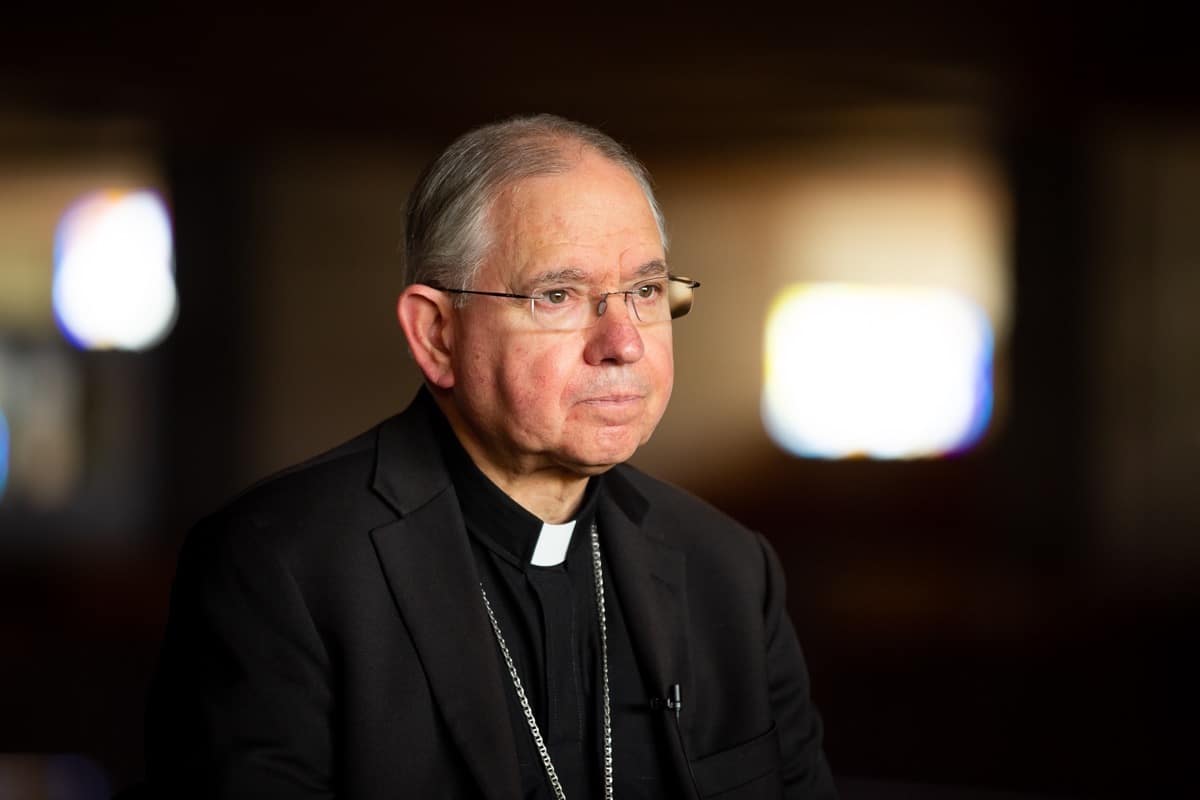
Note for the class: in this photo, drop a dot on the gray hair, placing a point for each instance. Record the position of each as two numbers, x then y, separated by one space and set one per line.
447 235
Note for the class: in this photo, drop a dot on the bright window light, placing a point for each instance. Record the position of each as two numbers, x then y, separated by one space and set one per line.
114 283
881 372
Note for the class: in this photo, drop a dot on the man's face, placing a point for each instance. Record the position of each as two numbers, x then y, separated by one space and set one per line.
582 400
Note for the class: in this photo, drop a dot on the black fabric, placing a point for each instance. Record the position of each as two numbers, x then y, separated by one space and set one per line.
326 639
549 619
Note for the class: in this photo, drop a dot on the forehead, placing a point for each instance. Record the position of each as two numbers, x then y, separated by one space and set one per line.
591 217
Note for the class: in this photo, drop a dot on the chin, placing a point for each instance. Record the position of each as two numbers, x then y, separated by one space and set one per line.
589 470
606 455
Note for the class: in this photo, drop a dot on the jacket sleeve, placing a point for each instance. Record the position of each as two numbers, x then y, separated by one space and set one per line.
805 771
241 705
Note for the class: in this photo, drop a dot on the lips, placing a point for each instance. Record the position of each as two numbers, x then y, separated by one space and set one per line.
616 408
614 392
614 399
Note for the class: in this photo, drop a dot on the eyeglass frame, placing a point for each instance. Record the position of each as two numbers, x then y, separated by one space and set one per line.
679 306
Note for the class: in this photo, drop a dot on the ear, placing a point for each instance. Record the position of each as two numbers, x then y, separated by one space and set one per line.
426 317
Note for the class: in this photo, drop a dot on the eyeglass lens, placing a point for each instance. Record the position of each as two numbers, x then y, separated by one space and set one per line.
645 305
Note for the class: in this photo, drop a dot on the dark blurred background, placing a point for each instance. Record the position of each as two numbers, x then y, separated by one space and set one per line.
1011 619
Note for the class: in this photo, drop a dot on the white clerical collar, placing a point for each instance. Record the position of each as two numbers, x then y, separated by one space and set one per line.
552 543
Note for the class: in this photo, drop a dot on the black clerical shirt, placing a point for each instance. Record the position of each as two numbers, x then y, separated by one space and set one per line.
549 621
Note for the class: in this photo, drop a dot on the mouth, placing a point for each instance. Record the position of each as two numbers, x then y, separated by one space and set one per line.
615 408
615 399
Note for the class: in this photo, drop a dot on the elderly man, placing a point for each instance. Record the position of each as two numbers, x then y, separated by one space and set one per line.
477 598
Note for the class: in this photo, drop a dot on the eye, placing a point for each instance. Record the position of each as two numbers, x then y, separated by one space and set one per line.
555 296
648 291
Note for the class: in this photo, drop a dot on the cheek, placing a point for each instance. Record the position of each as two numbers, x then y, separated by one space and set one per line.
536 381
661 357
484 361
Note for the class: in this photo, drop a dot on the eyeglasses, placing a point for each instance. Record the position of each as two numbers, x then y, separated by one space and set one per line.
570 308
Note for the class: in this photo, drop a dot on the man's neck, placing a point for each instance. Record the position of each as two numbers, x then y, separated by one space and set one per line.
549 498
551 493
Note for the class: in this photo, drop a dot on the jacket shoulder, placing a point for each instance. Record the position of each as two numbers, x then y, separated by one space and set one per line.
322 485
688 522
306 509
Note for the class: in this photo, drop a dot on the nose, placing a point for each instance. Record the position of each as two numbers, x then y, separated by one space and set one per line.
615 338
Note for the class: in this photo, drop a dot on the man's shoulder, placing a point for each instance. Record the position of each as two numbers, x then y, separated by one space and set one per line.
321 485
314 505
667 497
686 521
343 483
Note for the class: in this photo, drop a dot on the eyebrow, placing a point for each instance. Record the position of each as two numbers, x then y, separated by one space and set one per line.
651 269
564 275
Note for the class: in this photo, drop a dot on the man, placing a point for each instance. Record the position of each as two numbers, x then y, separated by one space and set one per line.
476 598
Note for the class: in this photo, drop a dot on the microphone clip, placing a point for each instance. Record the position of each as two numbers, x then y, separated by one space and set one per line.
672 702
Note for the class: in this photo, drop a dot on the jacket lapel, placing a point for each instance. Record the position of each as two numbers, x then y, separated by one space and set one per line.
650 577
426 559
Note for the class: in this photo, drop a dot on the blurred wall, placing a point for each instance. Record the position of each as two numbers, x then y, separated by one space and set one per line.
328 357
1146 355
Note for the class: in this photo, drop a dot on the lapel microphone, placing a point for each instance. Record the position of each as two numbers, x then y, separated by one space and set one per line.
672 702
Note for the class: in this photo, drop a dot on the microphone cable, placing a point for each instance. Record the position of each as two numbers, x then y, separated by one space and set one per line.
674 702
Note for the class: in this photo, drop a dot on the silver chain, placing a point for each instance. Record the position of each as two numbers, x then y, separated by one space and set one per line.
598 571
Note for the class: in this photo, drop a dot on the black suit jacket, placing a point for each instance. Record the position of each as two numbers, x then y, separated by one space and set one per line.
327 639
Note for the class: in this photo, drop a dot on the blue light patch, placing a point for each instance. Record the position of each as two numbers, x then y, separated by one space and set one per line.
4 458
